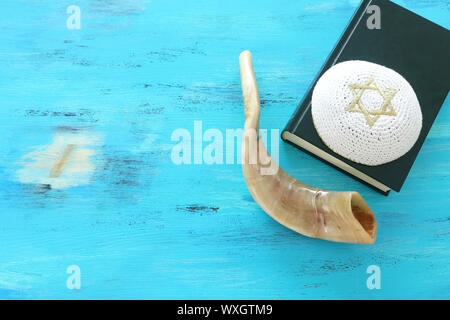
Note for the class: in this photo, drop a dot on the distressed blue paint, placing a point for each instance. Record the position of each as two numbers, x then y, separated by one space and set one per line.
146 228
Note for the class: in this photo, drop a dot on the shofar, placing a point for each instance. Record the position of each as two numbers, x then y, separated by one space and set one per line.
329 215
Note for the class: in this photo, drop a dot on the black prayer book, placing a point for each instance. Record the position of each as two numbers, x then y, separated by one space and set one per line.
413 46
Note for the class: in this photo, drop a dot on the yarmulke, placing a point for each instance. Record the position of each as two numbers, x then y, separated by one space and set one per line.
366 112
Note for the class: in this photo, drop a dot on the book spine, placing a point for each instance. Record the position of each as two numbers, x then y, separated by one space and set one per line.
331 60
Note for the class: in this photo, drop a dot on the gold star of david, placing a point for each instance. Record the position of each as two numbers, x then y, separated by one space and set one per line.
371 116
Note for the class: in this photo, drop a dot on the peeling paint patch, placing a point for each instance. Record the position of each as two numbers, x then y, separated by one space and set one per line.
194 208
118 7
328 6
64 163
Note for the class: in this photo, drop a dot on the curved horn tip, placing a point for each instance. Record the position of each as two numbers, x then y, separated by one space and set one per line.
244 54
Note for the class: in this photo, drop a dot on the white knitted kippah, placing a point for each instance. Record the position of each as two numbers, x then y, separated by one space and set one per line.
366 112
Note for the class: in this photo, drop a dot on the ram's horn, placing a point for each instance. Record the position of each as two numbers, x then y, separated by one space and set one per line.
329 215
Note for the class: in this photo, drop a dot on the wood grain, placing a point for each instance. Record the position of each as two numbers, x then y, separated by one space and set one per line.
144 227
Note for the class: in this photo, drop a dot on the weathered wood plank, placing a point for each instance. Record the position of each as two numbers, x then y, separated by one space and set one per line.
144 227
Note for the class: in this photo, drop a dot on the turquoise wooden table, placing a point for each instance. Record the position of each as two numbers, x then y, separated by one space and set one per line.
115 217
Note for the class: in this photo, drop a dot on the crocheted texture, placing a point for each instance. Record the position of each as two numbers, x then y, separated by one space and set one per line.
366 112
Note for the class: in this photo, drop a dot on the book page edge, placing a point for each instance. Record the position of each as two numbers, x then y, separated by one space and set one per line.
333 160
